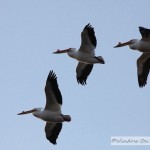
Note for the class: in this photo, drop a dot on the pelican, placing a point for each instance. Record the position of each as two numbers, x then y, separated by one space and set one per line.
52 111
85 55
143 62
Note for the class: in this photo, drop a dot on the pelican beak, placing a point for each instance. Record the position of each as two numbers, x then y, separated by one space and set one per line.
123 44
61 51
27 112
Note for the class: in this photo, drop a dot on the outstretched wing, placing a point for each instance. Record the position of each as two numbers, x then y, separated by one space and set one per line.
143 68
52 131
88 40
83 70
53 94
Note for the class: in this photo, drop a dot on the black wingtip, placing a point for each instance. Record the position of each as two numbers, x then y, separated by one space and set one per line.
52 75
53 141
52 78
142 85
88 26
84 73
91 33
142 82
81 81
55 133
144 32
142 78
140 27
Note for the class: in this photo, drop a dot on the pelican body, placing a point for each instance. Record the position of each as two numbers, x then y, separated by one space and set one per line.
85 55
143 62
51 114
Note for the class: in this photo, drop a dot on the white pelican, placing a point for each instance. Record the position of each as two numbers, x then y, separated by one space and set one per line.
52 112
85 55
143 62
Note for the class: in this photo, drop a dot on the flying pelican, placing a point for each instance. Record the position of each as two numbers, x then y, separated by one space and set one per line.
85 55
52 111
143 62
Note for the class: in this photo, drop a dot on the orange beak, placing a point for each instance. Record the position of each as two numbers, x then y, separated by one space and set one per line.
27 112
61 51
123 44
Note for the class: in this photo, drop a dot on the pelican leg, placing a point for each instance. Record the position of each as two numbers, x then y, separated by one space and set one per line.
66 117
100 59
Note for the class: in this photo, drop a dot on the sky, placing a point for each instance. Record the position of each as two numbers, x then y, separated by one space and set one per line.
111 104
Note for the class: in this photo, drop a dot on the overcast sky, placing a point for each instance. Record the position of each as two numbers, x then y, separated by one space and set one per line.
111 104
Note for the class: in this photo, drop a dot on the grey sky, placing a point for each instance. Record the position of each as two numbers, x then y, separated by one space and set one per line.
111 104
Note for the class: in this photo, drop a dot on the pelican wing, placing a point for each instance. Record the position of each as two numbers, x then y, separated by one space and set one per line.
53 94
88 40
143 68
145 33
52 131
83 70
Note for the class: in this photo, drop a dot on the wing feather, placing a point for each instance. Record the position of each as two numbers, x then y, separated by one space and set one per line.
88 39
145 33
143 68
53 94
52 131
83 70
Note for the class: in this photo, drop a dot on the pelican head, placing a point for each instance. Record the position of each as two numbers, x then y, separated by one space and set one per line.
30 111
64 51
130 43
